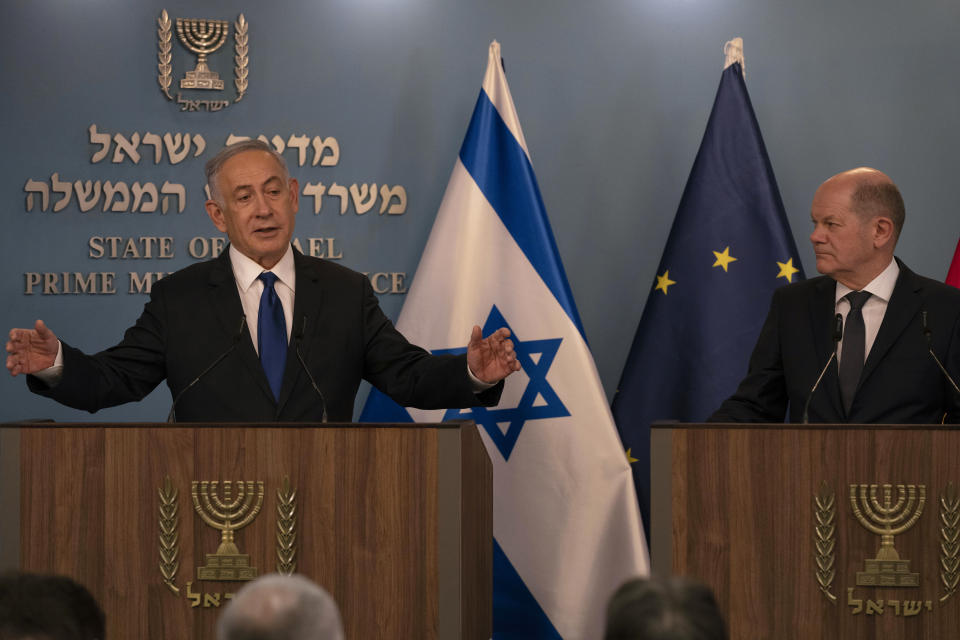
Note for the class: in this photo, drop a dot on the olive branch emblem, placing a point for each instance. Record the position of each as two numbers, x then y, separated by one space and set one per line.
949 541
825 530
241 59
163 53
286 528
169 535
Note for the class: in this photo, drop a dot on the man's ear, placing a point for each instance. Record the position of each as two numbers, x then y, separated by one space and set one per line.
882 231
216 215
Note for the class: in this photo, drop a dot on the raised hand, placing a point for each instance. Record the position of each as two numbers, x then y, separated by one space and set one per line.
491 359
31 350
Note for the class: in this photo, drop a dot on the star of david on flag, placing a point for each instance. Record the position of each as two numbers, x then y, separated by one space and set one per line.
538 400
566 526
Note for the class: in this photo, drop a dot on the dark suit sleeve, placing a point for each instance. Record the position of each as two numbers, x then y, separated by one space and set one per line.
410 375
952 365
762 395
123 373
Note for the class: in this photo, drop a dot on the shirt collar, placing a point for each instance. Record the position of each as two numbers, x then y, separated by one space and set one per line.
246 271
881 286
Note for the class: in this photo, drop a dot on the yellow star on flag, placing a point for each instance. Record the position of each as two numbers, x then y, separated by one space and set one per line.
664 281
724 258
787 270
630 458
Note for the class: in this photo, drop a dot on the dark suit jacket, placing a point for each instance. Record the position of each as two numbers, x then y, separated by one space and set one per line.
900 384
194 315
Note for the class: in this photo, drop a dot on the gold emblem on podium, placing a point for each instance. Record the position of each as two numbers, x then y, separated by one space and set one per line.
228 513
226 507
887 510
887 518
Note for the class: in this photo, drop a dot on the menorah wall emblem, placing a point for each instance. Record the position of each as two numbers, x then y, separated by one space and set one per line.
202 37
229 513
887 519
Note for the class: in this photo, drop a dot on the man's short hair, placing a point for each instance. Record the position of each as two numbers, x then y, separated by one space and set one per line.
214 164
275 607
47 607
871 199
655 609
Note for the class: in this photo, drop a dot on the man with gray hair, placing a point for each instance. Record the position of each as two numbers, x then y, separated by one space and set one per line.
886 326
276 607
262 333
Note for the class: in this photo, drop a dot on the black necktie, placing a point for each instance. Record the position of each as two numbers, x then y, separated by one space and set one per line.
854 347
272 334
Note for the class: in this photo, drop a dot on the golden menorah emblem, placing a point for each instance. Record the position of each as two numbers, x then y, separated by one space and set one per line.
202 37
228 513
887 518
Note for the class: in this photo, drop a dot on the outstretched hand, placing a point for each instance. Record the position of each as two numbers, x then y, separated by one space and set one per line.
31 350
491 359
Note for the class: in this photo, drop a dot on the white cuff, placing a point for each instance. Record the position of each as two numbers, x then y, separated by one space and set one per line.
52 374
479 385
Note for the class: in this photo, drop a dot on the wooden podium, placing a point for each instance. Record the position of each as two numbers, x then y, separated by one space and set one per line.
395 521
764 515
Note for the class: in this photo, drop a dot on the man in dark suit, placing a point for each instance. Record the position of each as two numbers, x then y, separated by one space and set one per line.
261 333
892 318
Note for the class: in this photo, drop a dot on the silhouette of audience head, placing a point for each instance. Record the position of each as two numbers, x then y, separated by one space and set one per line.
664 609
47 607
275 607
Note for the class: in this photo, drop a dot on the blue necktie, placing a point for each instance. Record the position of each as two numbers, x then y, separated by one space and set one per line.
272 334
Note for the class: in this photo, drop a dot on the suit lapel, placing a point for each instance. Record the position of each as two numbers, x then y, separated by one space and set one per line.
822 311
225 302
306 308
904 304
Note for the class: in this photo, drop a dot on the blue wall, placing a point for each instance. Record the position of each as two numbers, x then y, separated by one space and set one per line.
613 97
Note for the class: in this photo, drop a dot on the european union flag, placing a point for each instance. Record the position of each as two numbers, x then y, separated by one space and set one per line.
730 246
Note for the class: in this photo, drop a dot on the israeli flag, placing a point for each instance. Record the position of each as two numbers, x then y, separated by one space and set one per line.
567 531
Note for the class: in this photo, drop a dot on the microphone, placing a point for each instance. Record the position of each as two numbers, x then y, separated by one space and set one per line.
297 340
837 336
928 334
172 416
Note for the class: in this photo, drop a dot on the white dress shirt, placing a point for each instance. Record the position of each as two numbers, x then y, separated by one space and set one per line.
880 288
247 272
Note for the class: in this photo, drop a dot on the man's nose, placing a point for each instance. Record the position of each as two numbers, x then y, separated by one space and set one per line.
261 206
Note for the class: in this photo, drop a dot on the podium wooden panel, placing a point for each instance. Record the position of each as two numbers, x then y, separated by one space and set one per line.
733 505
394 520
